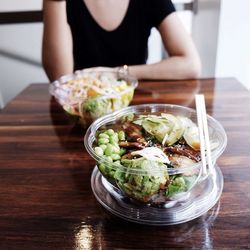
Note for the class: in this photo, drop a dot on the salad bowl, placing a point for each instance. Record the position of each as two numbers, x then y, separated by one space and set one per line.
150 154
89 95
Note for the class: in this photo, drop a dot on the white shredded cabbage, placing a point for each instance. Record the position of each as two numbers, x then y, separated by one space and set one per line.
153 154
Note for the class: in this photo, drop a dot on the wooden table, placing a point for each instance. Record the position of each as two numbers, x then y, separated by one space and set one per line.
46 201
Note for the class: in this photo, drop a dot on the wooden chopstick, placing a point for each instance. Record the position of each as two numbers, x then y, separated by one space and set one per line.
203 133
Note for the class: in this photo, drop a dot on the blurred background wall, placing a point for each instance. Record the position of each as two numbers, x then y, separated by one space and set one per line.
20 51
220 30
233 51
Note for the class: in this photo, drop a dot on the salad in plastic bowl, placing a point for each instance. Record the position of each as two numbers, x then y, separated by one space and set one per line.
90 95
151 153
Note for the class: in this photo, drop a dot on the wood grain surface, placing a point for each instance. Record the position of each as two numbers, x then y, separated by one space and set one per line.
46 201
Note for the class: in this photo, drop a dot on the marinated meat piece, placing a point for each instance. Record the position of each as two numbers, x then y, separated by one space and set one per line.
134 132
132 144
185 151
130 156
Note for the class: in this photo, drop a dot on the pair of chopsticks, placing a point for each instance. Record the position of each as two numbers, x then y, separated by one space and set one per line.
205 148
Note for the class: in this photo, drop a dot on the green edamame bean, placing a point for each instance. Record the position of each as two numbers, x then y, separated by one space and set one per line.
115 157
114 138
110 132
179 181
103 146
103 141
117 163
102 168
111 173
109 150
121 135
116 149
99 151
109 158
103 135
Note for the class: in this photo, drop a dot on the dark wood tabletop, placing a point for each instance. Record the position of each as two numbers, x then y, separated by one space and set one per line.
46 200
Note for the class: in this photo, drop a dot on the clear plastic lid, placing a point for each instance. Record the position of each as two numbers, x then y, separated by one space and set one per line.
195 203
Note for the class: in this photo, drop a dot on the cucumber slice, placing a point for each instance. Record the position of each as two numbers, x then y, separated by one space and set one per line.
176 132
191 134
157 127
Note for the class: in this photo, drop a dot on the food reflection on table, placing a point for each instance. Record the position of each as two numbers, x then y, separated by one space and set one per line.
156 92
194 234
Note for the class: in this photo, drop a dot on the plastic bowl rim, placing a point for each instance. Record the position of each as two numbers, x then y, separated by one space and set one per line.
119 113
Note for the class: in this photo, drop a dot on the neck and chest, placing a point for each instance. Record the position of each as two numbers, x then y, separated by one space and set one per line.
108 32
108 14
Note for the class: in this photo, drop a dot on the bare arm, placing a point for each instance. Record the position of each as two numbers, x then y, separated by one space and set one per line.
57 54
183 61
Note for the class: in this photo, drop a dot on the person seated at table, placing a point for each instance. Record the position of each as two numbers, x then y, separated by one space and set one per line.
81 34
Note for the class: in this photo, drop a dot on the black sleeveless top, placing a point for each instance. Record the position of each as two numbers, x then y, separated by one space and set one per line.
127 44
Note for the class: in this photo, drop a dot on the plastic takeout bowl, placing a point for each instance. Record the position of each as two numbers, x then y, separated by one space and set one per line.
90 98
144 184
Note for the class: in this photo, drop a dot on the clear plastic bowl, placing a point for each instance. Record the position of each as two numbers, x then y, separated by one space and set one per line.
94 93
147 184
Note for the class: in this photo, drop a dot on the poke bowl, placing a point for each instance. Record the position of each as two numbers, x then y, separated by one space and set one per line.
151 153
92 94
